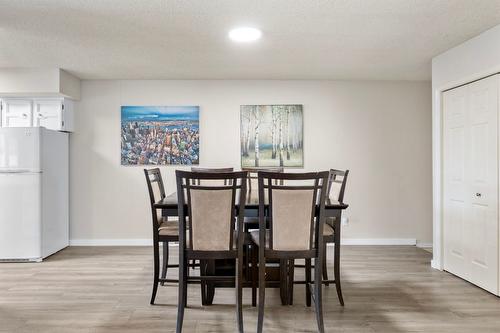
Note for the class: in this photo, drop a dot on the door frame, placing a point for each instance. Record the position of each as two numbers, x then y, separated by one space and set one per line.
437 160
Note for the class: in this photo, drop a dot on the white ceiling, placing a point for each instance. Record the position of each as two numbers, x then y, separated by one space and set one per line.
302 39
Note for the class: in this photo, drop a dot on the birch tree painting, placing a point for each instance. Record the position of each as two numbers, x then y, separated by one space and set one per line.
271 136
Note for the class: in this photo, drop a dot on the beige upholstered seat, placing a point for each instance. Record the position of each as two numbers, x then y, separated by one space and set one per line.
254 234
327 230
169 228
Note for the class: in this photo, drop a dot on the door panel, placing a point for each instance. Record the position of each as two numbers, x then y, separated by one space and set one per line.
483 228
20 149
17 113
20 226
470 182
454 187
48 114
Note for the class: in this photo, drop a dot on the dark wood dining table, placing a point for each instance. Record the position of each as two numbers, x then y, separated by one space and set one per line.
169 207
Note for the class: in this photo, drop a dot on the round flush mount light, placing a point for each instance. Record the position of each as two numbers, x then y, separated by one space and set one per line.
245 34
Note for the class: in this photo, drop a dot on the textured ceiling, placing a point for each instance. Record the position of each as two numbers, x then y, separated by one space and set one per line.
302 39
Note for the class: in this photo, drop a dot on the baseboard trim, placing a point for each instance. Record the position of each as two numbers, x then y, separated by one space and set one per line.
424 245
379 241
148 242
111 242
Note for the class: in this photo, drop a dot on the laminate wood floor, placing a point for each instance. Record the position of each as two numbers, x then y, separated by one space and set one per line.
107 289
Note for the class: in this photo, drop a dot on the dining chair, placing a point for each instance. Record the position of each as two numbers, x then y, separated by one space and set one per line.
331 233
164 231
251 220
252 216
253 174
211 228
207 291
212 170
296 206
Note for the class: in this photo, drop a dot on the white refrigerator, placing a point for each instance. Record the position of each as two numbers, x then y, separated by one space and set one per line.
34 191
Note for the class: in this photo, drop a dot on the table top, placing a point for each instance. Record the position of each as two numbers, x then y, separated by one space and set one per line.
252 202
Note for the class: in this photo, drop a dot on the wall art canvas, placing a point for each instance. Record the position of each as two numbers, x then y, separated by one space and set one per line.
271 136
160 135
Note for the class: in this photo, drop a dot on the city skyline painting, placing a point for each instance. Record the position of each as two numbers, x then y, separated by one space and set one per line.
271 136
160 135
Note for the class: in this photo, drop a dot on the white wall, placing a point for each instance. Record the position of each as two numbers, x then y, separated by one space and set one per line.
472 60
381 131
38 82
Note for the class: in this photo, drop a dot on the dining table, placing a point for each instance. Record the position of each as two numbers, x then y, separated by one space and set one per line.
333 209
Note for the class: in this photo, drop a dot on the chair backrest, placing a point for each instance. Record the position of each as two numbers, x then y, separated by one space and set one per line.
336 184
296 204
253 174
211 208
156 193
212 170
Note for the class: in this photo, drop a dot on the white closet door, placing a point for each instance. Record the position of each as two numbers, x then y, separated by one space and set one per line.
470 188
455 198
483 229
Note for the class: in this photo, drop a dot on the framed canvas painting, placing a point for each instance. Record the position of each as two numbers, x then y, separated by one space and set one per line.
160 135
271 136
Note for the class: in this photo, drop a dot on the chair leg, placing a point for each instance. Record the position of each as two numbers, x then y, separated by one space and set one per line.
308 281
336 270
210 285
203 284
182 294
186 276
291 278
284 281
262 292
255 274
318 297
164 262
325 271
156 268
239 292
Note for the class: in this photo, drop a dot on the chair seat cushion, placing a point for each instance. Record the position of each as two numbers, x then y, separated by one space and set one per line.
169 228
328 230
254 235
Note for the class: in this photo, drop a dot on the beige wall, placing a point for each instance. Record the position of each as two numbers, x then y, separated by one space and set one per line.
381 131
38 82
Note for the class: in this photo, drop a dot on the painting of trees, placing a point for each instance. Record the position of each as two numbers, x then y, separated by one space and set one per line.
271 135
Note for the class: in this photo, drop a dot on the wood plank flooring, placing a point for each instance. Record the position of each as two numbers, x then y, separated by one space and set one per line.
107 289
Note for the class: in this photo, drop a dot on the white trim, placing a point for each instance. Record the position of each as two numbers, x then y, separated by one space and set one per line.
424 245
148 242
378 241
110 242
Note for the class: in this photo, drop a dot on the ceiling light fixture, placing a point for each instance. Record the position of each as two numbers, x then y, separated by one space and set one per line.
245 34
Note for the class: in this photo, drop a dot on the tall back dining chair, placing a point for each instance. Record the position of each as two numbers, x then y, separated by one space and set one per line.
252 216
164 231
253 175
251 220
212 170
336 188
211 228
296 205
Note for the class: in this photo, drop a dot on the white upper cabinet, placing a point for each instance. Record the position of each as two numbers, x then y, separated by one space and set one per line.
51 113
17 113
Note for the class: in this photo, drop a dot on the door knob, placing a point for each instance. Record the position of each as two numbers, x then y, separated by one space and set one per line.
478 194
